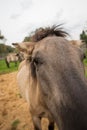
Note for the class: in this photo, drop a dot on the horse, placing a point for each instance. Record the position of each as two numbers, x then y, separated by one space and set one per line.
52 80
13 57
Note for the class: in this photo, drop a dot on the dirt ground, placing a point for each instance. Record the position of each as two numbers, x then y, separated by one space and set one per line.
14 111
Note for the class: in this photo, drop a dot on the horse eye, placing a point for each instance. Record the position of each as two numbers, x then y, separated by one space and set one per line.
37 61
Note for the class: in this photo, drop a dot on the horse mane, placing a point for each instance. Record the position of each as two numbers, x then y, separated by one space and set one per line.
41 33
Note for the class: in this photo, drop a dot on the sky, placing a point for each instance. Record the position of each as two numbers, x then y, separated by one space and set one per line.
18 18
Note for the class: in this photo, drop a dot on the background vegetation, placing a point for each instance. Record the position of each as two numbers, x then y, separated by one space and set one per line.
4 69
4 49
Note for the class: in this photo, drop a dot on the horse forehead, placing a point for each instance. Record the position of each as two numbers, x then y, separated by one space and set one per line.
45 48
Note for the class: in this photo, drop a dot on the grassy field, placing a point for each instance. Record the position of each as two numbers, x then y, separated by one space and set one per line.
4 69
85 63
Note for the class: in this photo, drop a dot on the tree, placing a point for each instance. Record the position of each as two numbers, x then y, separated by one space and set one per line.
83 36
27 39
5 49
2 38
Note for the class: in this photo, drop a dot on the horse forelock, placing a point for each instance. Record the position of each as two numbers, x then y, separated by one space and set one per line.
48 31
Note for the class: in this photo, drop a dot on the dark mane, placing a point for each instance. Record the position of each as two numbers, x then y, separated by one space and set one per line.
48 31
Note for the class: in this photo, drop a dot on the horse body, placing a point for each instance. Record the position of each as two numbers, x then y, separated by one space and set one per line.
54 83
13 57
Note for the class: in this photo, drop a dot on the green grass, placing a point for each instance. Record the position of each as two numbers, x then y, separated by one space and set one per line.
85 63
15 124
4 69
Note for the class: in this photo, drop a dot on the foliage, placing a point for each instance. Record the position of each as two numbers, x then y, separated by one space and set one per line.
83 36
5 49
27 39
9 48
15 124
1 37
2 48
85 64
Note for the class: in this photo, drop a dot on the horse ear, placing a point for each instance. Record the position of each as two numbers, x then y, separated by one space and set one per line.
15 44
19 47
30 48
24 47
